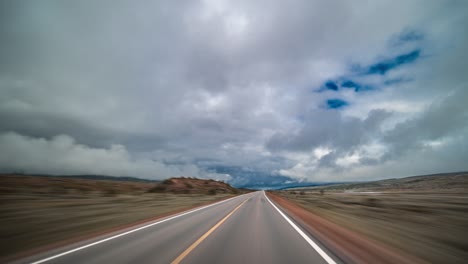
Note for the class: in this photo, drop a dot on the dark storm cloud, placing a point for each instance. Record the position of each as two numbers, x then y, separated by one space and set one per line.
251 178
441 120
47 125
328 128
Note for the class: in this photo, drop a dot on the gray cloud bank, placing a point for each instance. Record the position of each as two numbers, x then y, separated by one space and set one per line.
234 89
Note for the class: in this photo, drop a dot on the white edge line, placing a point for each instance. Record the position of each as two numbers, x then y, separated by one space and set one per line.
129 232
311 243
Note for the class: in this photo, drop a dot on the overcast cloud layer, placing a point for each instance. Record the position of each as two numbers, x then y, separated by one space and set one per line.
253 92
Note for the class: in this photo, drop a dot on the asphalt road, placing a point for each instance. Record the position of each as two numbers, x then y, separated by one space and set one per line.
244 229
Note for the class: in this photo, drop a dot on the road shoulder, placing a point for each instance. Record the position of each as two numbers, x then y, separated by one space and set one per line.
348 246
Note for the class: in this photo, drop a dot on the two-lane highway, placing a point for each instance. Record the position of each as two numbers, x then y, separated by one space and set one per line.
245 229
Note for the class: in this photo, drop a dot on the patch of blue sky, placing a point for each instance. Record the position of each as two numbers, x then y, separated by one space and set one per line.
347 84
364 88
350 84
384 66
336 103
357 86
328 86
331 85
381 67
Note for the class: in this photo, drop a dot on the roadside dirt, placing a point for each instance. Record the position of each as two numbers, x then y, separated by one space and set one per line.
429 225
41 213
349 246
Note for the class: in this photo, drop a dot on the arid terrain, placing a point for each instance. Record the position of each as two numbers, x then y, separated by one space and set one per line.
383 221
444 182
37 211
423 216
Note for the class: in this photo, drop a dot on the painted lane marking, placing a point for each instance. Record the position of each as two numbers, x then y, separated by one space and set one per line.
322 253
130 231
196 243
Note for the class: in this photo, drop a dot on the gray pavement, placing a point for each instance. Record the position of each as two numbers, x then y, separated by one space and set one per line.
254 233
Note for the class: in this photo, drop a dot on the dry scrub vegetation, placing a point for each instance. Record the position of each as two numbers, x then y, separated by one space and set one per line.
36 211
424 222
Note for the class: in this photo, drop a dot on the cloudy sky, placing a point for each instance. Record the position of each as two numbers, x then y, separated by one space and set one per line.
252 92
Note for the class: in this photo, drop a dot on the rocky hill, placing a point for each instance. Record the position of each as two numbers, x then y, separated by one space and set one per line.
193 185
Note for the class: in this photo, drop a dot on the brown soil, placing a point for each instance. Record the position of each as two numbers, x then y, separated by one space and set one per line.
349 246
429 225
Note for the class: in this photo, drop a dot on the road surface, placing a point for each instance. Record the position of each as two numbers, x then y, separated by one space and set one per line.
244 229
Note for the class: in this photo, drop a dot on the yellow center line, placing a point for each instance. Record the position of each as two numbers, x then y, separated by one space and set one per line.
196 243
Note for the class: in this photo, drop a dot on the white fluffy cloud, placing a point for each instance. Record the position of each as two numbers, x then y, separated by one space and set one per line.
62 155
